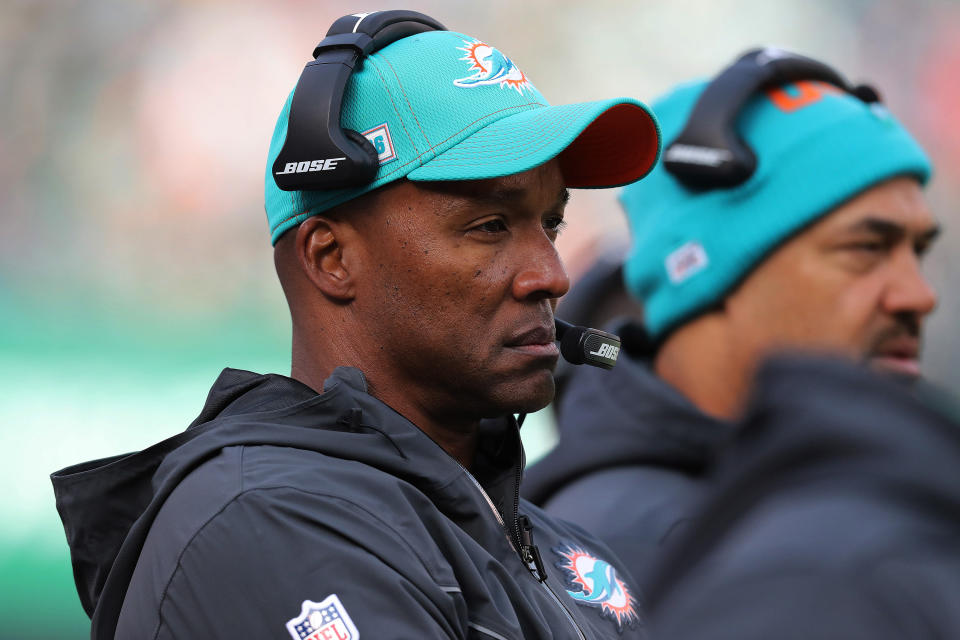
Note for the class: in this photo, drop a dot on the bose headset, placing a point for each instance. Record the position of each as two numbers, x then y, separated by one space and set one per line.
708 153
350 160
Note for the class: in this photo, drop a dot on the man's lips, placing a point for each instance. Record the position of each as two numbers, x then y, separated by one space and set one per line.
899 355
537 341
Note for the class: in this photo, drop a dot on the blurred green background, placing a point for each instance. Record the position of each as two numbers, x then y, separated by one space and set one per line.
134 256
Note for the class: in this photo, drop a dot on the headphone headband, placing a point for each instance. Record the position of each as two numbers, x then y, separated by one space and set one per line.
709 153
318 153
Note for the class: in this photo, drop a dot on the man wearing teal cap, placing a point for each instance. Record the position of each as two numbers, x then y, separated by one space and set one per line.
415 186
788 215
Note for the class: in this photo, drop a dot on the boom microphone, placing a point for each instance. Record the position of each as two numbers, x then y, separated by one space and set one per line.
583 345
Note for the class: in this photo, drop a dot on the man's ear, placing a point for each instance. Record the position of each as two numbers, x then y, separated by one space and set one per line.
319 249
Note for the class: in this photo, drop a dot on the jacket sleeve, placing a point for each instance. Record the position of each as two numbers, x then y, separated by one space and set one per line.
286 563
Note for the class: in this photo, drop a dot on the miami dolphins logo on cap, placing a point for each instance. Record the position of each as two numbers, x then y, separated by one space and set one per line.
594 582
490 67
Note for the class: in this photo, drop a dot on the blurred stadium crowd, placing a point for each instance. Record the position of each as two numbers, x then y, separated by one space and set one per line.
134 262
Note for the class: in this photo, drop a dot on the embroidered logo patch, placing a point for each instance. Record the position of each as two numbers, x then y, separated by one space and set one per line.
326 620
380 138
490 67
594 582
686 261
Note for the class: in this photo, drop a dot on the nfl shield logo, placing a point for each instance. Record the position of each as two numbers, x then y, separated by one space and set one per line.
326 620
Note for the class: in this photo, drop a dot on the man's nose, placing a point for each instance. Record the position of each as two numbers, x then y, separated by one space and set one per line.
541 274
909 290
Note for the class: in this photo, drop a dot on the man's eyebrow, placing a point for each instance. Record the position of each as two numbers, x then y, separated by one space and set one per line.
501 194
510 194
891 230
886 228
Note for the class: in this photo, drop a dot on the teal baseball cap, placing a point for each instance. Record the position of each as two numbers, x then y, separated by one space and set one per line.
816 147
441 105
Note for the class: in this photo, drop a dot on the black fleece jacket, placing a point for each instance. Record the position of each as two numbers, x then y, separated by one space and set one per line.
281 512
835 513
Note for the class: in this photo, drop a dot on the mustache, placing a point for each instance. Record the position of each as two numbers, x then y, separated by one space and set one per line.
905 325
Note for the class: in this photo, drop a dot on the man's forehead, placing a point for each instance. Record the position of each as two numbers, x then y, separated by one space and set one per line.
544 182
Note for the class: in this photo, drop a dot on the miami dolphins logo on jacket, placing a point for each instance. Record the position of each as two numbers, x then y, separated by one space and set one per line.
490 67
594 582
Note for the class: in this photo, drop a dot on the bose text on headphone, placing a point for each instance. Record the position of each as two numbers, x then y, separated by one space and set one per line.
318 153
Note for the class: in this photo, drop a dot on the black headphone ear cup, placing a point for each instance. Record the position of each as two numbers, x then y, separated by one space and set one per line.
367 147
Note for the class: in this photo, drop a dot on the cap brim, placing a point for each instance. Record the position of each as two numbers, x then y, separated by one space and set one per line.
599 144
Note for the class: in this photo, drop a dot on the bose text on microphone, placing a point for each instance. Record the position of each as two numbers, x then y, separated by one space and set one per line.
583 345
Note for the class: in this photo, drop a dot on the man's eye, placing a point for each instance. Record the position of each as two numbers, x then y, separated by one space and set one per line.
492 226
555 224
871 247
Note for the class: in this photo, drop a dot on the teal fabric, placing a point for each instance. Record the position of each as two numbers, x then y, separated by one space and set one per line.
450 119
810 160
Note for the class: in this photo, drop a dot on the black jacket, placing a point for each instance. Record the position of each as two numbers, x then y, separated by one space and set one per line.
284 513
630 459
834 514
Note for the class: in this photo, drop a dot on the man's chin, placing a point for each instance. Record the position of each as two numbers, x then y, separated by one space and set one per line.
531 394
899 367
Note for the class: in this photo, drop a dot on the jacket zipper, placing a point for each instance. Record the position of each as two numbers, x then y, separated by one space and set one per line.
565 611
492 506
531 556
515 540
534 553
527 528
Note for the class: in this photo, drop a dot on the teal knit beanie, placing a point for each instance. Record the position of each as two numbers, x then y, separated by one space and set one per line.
816 147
